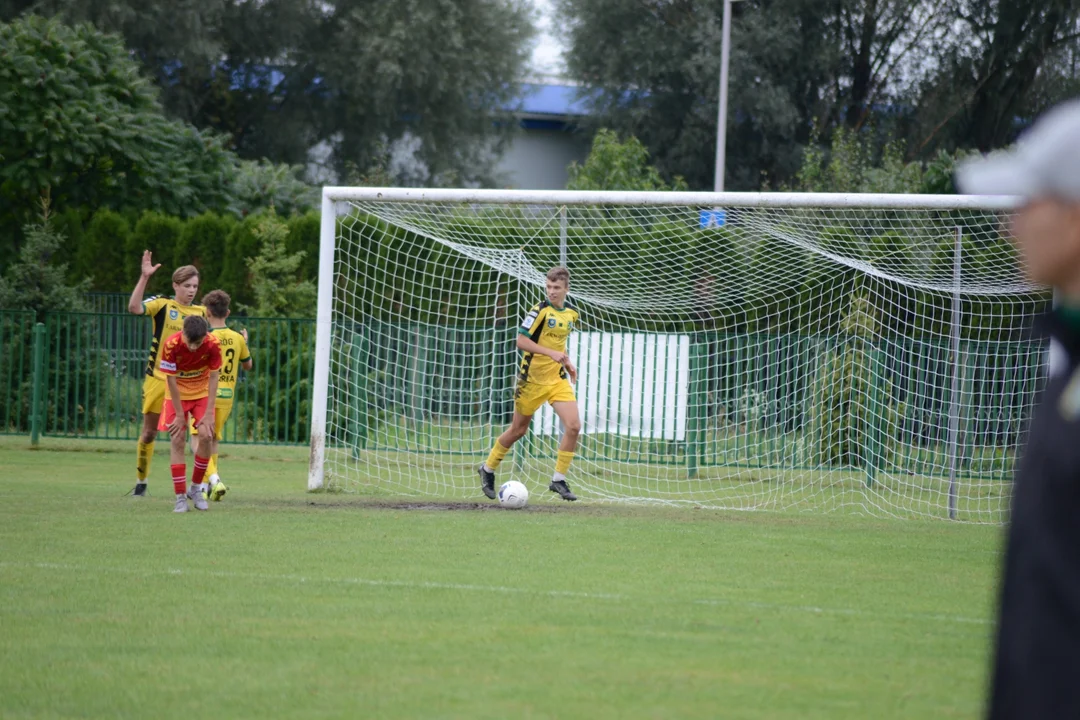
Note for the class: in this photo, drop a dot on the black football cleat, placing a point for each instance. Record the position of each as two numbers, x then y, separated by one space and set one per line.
139 490
487 482
560 486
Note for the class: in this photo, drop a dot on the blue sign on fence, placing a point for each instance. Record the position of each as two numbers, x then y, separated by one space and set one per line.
712 218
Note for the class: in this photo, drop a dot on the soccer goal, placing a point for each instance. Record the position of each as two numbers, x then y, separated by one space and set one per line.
737 350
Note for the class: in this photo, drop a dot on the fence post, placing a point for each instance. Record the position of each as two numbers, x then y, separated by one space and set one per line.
38 383
875 447
698 398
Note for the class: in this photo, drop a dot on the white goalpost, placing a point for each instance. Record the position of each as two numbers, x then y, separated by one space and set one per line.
735 350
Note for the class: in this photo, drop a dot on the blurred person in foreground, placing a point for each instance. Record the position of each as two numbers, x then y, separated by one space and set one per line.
1036 670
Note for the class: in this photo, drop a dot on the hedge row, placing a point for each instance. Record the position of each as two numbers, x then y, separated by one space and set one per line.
107 247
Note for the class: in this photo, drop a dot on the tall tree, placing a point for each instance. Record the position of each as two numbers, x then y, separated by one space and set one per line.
81 125
879 41
1003 63
32 281
438 71
938 74
283 76
656 67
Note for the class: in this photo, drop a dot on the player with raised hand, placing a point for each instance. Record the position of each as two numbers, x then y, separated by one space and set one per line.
545 375
167 315
190 361
235 355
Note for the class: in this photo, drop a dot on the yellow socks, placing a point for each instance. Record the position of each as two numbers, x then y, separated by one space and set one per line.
145 455
562 464
211 468
495 457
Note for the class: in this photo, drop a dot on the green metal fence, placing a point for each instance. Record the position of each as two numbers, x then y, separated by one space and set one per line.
755 400
16 370
93 366
107 302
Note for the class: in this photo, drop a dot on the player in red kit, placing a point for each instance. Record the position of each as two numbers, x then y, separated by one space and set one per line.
190 361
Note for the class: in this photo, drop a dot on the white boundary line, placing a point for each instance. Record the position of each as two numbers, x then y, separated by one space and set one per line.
493 589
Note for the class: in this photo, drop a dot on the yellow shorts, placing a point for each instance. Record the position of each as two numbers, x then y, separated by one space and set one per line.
153 395
221 415
528 397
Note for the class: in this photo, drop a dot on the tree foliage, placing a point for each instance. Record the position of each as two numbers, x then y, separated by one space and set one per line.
276 281
262 184
1000 64
853 162
33 281
616 165
78 119
936 75
80 124
281 76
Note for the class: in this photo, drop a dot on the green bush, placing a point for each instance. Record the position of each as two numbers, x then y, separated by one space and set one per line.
100 255
202 244
846 392
304 236
240 244
159 234
261 184
279 288
16 367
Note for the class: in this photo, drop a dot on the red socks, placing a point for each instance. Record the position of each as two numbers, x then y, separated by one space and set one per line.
200 470
179 478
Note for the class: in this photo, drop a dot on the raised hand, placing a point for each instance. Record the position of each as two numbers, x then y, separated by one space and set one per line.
148 266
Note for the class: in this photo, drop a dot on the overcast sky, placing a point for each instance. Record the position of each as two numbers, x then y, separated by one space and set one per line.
546 58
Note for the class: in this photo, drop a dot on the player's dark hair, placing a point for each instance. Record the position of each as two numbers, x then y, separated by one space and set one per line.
195 328
217 303
184 273
556 274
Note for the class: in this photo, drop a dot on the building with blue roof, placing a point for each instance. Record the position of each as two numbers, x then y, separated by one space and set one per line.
548 140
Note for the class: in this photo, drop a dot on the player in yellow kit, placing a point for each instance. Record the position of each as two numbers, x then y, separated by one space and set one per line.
545 375
168 316
234 355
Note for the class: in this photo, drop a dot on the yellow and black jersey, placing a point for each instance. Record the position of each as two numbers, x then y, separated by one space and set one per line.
234 350
549 327
168 316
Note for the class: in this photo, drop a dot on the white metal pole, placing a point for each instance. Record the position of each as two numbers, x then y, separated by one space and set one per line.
572 198
954 400
562 236
323 328
721 113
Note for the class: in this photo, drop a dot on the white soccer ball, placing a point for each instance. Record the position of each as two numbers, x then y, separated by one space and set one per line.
513 494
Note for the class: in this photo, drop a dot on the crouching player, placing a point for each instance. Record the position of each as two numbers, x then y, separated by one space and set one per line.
190 361
234 355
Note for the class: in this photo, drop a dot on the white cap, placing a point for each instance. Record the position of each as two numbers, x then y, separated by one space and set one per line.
1044 163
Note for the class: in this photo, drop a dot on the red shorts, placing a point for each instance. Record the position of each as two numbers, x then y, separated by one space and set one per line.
192 408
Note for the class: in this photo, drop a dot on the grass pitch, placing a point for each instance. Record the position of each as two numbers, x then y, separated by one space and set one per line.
281 603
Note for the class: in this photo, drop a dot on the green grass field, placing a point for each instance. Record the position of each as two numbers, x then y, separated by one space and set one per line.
281 603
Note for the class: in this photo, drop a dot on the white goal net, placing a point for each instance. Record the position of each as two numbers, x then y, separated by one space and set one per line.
734 351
